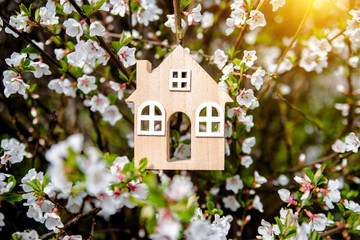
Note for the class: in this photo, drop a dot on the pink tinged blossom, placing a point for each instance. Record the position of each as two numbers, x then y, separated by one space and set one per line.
120 7
14 151
237 111
198 230
268 231
72 237
183 151
194 15
180 187
234 184
231 203
351 205
15 85
247 144
127 56
120 88
139 191
276 4
317 221
53 221
48 14
306 186
257 19
111 114
249 58
220 58
257 78
352 142
309 60
96 29
86 83
15 59
40 69
332 193
168 227
69 88
246 98
258 180
246 161
286 197
73 28
339 146
97 103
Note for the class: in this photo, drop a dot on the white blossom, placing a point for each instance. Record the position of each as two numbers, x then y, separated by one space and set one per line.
220 58
257 204
246 98
14 151
86 83
207 20
256 19
249 57
194 15
246 161
352 142
14 84
276 4
247 144
120 7
96 29
171 23
40 69
332 193
231 203
97 103
234 184
127 56
180 187
73 28
257 78
48 14
111 114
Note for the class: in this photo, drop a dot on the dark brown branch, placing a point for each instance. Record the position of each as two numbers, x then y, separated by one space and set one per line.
73 221
177 15
113 56
97 130
333 231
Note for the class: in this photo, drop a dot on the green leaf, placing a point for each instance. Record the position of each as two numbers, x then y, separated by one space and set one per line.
279 223
116 45
157 199
132 74
87 9
45 181
13 180
112 98
37 16
129 166
123 76
142 165
77 71
25 10
34 184
309 173
184 4
12 198
341 208
237 61
210 205
98 5
109 158
321 180
290 232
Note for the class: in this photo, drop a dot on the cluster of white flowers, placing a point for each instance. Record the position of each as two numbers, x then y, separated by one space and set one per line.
14 151
201 228
353 29
239 15
351 144
314 57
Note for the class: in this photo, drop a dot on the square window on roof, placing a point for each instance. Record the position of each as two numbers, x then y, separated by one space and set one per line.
179 80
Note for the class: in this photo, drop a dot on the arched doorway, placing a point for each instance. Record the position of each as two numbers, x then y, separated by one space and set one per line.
179 137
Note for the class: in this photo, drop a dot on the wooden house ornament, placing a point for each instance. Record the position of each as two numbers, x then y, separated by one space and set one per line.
178 84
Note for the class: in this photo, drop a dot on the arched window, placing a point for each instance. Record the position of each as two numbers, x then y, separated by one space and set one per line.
151 119
209 120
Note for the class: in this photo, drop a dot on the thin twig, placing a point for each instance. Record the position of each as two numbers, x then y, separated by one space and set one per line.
73 221
177 15
97 130
298 110
113 56
333 231
296 35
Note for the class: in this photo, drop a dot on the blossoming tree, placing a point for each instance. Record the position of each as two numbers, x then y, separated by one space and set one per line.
292 134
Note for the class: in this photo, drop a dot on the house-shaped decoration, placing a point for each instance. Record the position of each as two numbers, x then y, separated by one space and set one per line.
178 84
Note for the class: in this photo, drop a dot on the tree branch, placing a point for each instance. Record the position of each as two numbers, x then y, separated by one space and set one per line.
177 15
73 221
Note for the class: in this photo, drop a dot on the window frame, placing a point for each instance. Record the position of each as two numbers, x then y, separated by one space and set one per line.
209 119
152 118
179 80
